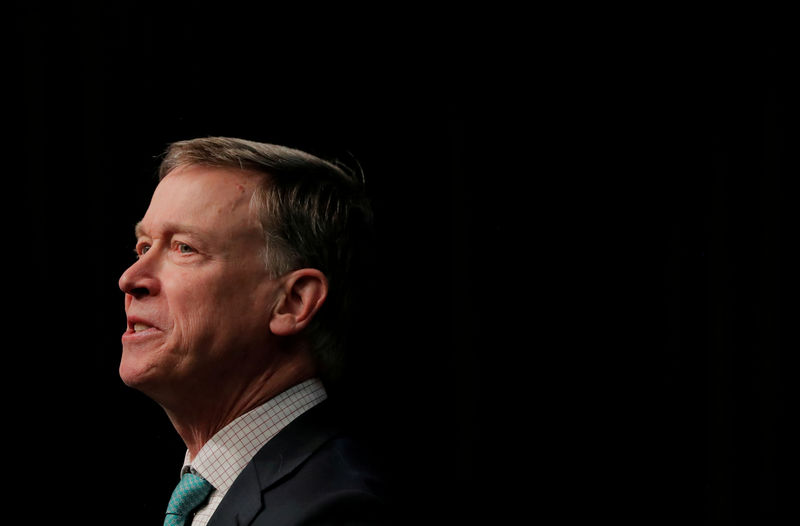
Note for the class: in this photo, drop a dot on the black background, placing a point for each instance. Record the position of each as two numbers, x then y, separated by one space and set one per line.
584 247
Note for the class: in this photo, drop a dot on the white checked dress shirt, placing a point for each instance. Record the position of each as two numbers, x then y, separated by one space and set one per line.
223 457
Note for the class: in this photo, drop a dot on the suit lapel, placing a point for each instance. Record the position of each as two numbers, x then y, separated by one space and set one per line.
294 444
239 506
279 457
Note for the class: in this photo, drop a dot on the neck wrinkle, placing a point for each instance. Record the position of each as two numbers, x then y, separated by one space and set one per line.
198 423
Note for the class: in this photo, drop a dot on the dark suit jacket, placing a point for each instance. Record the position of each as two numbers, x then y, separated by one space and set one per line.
309 473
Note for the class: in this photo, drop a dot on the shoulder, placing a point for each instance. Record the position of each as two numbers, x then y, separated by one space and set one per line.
337 484
312 472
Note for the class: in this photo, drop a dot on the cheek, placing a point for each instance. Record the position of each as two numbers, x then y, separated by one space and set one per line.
217 313
186 306
192 312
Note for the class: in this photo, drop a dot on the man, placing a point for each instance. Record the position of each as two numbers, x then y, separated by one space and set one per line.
247 260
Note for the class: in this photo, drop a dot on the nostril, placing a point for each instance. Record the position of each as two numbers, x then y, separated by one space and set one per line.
139 292
139 281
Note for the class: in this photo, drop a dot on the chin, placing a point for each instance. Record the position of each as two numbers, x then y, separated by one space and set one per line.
137 373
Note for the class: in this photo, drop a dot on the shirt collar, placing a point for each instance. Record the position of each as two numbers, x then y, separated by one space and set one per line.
227 453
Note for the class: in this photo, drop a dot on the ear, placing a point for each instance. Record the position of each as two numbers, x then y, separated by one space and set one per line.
303 293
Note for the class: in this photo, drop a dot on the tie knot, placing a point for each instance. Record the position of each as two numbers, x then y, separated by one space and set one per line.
191 491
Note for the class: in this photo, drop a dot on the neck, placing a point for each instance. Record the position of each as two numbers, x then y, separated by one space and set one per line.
209 412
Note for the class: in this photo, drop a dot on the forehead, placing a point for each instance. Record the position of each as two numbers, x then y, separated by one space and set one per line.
202 198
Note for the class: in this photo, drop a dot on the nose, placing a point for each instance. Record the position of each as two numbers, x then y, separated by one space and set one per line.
139 279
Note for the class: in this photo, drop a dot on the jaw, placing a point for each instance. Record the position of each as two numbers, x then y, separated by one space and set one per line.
146 362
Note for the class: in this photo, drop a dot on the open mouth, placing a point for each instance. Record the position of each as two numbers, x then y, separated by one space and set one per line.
139 327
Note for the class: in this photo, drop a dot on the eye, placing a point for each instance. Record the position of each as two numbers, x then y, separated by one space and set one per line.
141 250
183 248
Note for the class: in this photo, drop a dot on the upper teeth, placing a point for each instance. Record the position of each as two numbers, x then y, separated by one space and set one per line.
140 327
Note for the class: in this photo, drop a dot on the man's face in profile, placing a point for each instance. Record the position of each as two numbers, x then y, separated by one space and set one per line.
198 298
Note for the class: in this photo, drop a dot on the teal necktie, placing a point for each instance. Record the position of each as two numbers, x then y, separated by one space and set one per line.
192 490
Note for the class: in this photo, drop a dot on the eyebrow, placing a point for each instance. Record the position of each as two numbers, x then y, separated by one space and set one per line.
173 228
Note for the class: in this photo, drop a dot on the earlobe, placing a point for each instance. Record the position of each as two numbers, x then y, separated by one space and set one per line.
303 293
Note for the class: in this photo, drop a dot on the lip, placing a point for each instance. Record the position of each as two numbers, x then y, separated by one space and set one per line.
130 335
